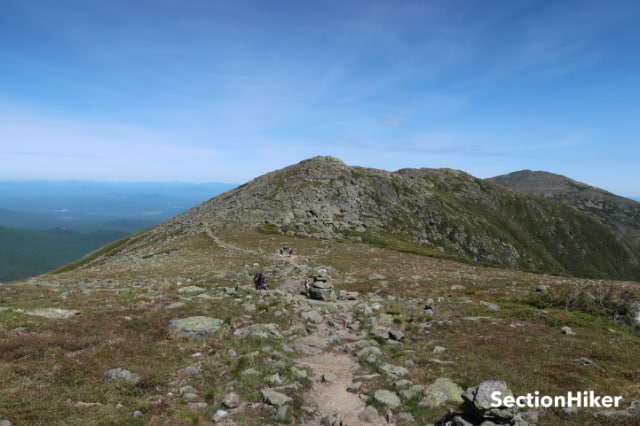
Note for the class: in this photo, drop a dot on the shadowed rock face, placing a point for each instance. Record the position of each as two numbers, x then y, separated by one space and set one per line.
432 211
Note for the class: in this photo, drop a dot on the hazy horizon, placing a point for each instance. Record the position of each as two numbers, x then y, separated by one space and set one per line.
227 91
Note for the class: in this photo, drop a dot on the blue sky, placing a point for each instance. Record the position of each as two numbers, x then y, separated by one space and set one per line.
203 91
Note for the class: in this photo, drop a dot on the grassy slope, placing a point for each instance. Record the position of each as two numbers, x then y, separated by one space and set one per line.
123 324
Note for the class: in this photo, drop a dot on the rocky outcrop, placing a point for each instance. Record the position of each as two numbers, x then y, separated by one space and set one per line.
421 210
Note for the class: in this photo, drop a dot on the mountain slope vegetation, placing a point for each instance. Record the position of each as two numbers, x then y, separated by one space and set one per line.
439 212
621 215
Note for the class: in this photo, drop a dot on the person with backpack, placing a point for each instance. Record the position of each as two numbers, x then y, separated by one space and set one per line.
258 280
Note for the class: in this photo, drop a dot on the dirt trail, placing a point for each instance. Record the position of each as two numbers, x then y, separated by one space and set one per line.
332 397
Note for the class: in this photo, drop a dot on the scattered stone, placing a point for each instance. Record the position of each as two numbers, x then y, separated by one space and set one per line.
328 377
313 316
457 287
540 288
332 420
412 392
396 335
387 398
137 413
440 392
219 415
394 370
490 306
438 349
263 331
175 305
633 410
275 380
369 414
274 398
81 404
402 384
197 405
566 330
231 400
282 412
5 422
198 326
354 387
191 289
480 403
375 276
190 370
50 313
123 375
249 307
406 418
297 373
184 390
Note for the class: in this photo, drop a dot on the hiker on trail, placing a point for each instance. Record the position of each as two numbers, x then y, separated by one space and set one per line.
258 280
307 287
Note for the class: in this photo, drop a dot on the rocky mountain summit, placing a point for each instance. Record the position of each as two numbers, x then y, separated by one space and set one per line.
439 212
166 327
621 215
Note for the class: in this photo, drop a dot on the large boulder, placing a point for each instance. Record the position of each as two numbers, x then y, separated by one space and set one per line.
198 326
479 402
440 392
322 290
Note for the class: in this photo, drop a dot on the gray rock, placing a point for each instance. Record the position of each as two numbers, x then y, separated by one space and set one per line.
387 398
412 392
438 349
264 331
396 334
50 313
322 290
440 392
198 326
274 380
479 400
190 370
566 330
184 390
313 316
490 306
375 276
298 374
274 398
394 370
190 290
231 400
219 416
5 422
369 414
197 405
123 375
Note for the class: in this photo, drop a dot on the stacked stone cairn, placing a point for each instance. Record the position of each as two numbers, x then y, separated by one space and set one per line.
321 287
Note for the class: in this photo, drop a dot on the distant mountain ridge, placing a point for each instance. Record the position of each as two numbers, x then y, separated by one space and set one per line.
621 215
439 212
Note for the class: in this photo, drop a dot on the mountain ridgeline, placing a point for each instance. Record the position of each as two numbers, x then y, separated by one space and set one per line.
439 212
621 215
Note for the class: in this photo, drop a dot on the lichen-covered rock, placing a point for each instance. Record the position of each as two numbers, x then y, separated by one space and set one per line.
441 391
198 326
387 398
274 398
263 331
123 375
